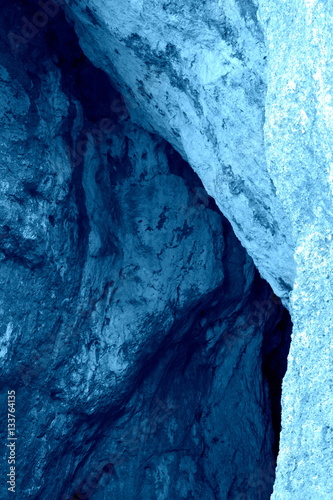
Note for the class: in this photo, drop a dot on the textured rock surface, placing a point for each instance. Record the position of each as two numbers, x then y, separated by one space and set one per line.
145 351
195 73
123 284
208 100
299 118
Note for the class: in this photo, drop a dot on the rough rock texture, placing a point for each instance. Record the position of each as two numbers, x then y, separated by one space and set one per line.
145 351
119 271
195 73
299 145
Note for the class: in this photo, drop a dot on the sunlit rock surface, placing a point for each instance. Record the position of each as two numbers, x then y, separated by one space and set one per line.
145 351
299 148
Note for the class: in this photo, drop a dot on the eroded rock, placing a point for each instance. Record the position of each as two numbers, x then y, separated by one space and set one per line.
195 73
135 329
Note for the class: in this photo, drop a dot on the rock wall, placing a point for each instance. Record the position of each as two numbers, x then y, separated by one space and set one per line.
298 133
145 351
114 255
207 77
195 73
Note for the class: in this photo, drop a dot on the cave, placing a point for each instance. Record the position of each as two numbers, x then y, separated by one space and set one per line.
145 320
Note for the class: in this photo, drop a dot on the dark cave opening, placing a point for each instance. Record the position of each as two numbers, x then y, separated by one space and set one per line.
174 358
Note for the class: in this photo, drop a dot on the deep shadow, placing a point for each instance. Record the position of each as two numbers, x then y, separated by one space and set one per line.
90 86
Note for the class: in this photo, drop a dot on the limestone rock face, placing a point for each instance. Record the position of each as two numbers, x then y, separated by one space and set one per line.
195 73
299 145
145 351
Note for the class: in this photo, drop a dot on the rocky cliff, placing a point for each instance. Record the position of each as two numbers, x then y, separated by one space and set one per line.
153 156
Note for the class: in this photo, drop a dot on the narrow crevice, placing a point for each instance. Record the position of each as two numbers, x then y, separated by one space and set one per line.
275 350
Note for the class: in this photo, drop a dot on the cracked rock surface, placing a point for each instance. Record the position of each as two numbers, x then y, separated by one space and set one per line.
195 73
145 351
243 89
